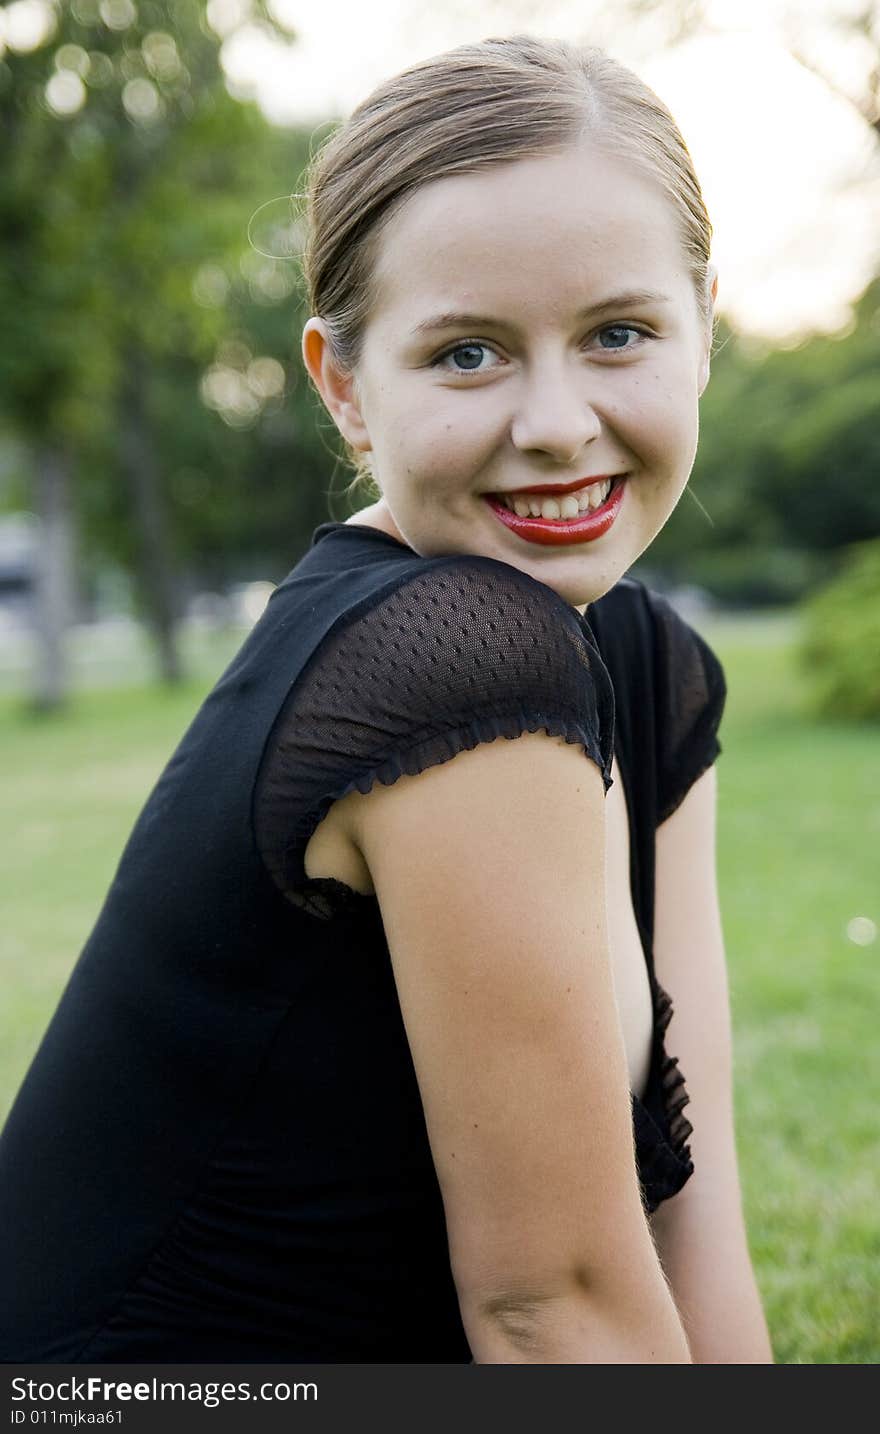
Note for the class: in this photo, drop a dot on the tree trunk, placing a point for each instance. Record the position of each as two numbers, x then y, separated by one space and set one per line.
155 568
54 589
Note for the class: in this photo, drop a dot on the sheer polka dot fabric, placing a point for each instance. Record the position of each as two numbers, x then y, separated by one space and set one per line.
461 653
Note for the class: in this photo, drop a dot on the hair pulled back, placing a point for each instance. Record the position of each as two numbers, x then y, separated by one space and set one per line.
481 104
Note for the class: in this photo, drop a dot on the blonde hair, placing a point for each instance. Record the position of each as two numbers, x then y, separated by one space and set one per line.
487 103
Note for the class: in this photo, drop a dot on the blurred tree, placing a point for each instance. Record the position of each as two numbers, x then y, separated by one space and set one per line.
839 43
842 47
148 348
786 469
840 643
151 354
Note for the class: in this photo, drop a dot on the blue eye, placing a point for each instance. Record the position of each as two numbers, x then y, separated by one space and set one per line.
622 329
472 353
468 356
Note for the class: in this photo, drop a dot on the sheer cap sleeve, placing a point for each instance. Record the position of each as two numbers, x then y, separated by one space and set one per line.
467 650
691 692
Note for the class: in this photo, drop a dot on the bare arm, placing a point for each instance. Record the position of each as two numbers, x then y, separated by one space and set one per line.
500 953
700 1233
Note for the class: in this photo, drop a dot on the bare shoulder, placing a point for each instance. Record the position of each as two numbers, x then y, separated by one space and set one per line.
483 799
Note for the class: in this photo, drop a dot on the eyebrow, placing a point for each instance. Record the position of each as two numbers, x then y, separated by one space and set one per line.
454 319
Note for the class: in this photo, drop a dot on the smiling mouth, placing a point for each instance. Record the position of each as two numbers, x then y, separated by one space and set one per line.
567 506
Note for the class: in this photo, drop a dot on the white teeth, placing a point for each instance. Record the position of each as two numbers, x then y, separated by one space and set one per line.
573 505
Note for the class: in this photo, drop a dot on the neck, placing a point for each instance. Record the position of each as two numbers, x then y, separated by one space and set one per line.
378 516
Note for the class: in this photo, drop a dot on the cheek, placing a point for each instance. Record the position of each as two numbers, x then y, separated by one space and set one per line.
662 417
438 444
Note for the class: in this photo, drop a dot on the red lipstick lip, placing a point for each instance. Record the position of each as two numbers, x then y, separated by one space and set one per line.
551 533
550 490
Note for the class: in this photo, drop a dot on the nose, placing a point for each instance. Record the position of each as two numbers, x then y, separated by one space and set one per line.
554 414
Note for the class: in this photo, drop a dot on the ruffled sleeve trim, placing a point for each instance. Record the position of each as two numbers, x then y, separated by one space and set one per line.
461 652
662 1130
326 896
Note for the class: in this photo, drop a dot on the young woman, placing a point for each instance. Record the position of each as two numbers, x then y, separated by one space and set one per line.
366 1057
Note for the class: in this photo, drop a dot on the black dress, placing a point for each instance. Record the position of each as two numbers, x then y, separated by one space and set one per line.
219 1152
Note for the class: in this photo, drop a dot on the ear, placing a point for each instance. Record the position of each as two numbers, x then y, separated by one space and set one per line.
337 387
705 362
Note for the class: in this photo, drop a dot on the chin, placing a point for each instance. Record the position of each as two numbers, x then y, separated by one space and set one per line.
579 590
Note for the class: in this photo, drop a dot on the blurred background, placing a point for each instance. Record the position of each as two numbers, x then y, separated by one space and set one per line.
163 463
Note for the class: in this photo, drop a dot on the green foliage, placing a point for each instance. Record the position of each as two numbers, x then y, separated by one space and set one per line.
127 280
756 575
131 298
841 645
787 462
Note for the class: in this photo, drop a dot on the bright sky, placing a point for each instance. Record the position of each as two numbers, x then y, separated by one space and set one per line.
790 174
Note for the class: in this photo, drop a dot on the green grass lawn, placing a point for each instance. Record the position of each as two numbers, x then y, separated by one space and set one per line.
799 835
798 840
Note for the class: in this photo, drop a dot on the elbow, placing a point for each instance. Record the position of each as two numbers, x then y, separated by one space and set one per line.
522 1321
587 1321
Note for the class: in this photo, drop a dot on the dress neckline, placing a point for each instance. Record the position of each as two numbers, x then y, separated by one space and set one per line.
333 526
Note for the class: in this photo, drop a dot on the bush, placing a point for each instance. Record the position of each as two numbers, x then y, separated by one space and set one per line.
755 576
841 642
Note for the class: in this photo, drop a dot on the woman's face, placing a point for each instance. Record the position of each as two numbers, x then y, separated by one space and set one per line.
502 354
